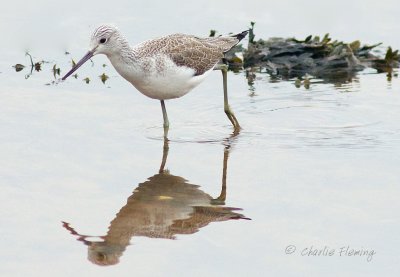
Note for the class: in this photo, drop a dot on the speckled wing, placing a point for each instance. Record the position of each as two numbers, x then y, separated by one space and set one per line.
201 54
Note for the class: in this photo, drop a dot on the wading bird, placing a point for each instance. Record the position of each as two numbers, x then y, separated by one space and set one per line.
167 67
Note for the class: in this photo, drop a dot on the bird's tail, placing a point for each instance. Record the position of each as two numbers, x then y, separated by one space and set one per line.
227 43
241 35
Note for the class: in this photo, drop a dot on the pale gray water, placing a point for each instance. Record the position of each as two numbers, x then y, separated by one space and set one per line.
311 168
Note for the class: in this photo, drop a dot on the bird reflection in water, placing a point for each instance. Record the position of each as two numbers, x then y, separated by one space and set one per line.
162 207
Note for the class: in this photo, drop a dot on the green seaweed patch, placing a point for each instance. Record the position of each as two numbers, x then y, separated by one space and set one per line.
321 57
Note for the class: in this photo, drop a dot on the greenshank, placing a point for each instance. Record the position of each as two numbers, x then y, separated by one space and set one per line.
167 67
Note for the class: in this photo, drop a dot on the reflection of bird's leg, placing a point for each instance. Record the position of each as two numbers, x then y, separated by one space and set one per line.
220 200
165 155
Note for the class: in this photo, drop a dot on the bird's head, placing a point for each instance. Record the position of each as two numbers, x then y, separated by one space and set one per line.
106 39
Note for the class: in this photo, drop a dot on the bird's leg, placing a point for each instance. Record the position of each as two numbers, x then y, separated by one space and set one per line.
166 122
228 111
227 108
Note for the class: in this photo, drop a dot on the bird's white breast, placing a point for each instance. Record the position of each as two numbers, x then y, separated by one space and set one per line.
158 76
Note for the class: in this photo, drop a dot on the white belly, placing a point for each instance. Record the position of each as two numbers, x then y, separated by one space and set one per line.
159 77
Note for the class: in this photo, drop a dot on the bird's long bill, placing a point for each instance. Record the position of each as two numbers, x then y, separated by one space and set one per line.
78 64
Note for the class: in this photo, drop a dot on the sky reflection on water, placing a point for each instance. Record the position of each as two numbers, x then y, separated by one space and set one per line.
312 167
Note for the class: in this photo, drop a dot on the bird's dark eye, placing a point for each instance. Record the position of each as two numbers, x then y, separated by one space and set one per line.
103 40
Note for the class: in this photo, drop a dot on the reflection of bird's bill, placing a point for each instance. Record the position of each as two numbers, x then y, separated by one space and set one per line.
81 62
104 254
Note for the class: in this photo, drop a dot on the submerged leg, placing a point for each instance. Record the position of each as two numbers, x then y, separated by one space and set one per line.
165 155
228 111
165 117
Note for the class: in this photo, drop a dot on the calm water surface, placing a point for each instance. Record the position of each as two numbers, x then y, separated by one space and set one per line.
314 171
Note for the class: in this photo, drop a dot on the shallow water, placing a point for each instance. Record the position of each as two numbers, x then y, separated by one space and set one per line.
314 168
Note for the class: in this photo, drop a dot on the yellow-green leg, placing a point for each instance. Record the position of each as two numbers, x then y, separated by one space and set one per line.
165 117
227 108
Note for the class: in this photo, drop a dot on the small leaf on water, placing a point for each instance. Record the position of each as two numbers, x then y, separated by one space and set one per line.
87 80
75 75
18 67
56 70
103 78
66 53
104 65
38 66
212 33
73 62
